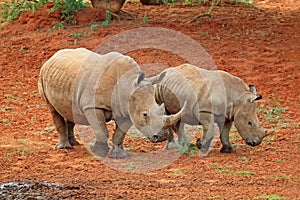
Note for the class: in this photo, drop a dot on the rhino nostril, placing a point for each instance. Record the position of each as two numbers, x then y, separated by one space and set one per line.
250 142
155 138
255 143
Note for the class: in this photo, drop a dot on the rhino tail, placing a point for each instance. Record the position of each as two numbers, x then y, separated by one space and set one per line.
41 87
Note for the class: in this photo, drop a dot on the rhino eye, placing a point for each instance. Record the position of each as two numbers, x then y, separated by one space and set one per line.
145 114
249 123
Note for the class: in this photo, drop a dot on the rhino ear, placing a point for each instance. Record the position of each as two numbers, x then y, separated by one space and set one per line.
140 78
257 97
157 78
252 89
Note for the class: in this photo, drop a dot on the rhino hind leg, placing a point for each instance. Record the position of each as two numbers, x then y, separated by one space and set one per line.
210 135
71 136
227 149
60 125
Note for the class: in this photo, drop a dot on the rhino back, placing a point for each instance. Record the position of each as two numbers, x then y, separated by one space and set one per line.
178 86
207 91
56 81
74 80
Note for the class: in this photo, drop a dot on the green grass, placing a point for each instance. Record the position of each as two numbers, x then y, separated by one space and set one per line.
233 138
269 197
269 140
245 173
22 48
6 108
91 158
242 172
277 177
94 26
224 171
246 3
49 128
176 171
5 121
274 116
9 96
23 151
191 150
214 164
23 142
144 19
131 166
279 160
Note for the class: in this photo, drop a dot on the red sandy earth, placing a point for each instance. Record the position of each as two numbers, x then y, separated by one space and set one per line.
262 46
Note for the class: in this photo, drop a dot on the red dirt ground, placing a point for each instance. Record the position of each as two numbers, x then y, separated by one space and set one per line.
262 46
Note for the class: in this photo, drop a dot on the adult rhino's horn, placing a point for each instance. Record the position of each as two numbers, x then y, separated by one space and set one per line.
172 119
158 78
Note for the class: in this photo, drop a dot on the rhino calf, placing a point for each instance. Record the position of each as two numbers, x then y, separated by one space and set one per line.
82 87
212 96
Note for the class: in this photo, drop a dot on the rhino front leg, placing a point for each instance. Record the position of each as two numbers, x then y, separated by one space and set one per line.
209 133
180 133
118 139
179 130
98 123
60 125
226 146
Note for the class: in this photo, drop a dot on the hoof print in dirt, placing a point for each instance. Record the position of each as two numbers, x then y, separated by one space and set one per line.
118 152
99 149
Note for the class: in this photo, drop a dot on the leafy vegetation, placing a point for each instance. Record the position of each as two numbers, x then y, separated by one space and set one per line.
9 11
108 19
68 9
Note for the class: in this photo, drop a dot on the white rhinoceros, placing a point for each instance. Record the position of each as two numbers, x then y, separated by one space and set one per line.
82 87
211 96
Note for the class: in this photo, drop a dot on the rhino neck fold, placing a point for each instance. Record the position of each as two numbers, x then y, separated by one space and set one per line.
236 91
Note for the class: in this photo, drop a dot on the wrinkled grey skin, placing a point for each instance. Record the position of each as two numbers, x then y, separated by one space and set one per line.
212 96
83 87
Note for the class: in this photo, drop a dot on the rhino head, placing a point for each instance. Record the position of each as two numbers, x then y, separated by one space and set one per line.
146 115
246 121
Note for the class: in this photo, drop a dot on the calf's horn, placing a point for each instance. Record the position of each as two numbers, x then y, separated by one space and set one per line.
268 132
169 120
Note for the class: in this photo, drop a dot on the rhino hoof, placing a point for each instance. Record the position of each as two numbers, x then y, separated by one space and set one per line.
172 145
118 152
63 145
198 143
227 149
73 141
99 148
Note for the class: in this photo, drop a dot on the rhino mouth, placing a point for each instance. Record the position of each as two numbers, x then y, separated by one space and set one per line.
157 138
252 142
